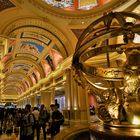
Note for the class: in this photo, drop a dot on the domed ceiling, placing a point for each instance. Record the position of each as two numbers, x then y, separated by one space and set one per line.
76 8
76 5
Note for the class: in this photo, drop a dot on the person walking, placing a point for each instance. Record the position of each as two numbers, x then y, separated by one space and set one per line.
27 123
42 121
36 125
57 120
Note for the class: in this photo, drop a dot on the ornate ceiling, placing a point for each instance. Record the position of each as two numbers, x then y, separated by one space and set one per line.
35 38
95 8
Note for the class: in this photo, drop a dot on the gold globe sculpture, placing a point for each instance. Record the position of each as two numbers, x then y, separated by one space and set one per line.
107 61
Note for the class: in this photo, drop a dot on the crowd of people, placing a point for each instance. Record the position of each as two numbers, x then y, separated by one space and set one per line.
31 121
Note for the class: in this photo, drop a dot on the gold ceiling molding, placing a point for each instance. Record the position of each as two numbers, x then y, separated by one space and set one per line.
46 8
40 26
8 98
26 77
15 83
29 61
47 82
13 90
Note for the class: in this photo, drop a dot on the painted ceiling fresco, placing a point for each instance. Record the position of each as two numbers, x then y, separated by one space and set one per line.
5 4
76 5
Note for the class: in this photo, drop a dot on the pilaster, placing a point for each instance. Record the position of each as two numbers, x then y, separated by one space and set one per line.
76 101
46 98
33 101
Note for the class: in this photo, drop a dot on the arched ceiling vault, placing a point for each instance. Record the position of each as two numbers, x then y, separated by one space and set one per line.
14 74
12 90
25 60
15 83
16 89
30 24
39 38
25 33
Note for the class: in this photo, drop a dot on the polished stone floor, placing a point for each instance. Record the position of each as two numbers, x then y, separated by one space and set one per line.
48 136
16 137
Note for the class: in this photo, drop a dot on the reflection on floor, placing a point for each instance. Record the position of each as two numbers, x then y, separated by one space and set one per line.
67 131
15 137
9 137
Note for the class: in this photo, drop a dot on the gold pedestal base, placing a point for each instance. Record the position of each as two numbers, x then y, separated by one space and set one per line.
99 131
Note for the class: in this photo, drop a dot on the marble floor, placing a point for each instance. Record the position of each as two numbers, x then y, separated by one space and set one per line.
16 137
48 136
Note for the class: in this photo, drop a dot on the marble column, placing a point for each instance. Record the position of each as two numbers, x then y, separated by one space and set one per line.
67 88
76 100
68 98
83 101
46 98
42 97
52 95
33 101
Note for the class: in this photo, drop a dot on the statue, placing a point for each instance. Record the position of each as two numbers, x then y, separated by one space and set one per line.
96 58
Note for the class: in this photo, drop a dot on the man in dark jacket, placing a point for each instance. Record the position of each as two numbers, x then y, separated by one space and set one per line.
56 120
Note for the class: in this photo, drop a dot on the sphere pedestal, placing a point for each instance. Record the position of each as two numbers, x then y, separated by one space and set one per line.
98 131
